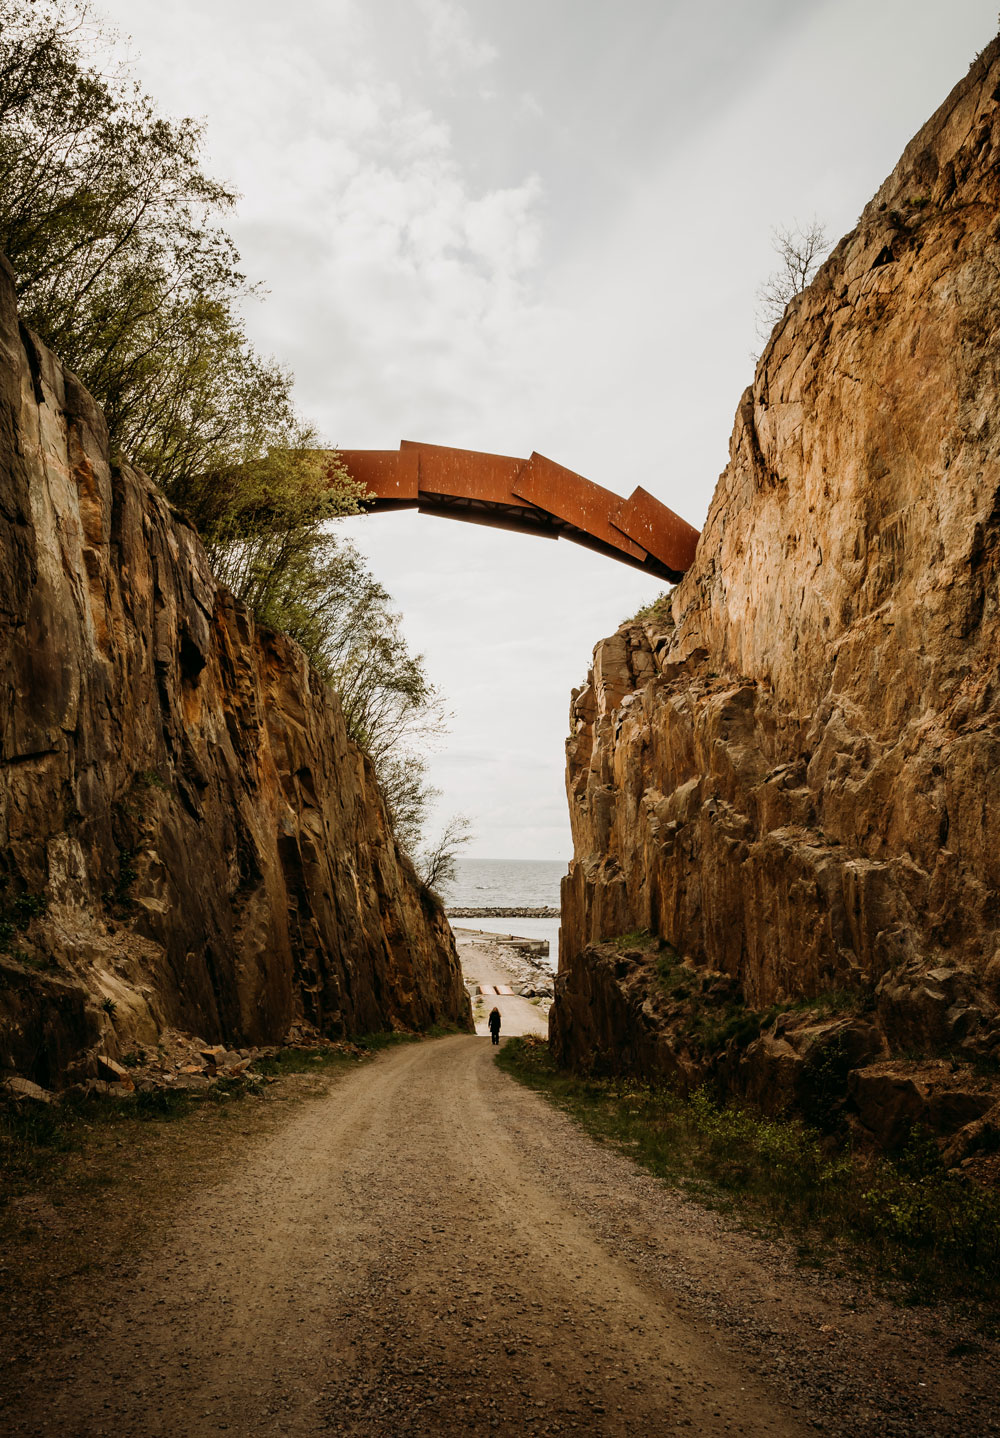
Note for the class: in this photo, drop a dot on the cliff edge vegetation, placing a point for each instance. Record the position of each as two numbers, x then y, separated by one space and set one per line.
123 267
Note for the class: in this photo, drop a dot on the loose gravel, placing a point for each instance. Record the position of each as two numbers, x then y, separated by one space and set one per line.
426 1248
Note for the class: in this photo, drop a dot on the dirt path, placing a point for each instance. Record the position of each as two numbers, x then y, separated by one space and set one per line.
483 962
388 1264
427 1248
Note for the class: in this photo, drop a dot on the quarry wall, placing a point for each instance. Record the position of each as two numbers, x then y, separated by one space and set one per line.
788 773
188 837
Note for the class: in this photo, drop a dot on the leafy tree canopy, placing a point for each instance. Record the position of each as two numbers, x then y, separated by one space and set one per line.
124 269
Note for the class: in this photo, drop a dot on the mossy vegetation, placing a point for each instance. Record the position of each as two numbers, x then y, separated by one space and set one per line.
16 912
151 779
634 939
17 909
906 1218
658 608
118 898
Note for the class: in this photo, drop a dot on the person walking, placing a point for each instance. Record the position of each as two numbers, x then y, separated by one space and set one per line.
494 1023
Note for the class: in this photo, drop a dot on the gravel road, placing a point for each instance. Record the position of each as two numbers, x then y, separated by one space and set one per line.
427 1248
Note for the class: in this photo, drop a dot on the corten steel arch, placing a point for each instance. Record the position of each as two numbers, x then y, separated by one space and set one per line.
534 496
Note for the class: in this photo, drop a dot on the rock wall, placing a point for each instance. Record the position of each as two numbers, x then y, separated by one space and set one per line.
188 838
789 773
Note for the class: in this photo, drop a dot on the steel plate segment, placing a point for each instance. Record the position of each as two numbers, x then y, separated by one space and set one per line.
381 473
464 473
575 500
658 529
518 521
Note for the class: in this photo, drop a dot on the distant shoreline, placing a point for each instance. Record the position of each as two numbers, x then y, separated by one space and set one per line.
545 912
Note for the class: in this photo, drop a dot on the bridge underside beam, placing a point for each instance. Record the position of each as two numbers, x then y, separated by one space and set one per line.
531 496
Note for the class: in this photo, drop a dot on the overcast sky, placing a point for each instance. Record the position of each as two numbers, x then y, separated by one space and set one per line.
534 224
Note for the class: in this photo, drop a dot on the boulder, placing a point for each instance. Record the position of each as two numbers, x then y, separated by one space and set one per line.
113 1072
770 1072
892 1099
890 1105
22 1088
980 1136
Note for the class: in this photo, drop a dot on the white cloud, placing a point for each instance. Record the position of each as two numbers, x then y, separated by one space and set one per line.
400 285
450 40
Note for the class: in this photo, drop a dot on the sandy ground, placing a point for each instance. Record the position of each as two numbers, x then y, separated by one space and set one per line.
484 961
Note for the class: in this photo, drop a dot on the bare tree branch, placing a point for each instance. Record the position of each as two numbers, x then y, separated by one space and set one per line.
800 250
437 864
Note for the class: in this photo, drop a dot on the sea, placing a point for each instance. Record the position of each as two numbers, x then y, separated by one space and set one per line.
509 884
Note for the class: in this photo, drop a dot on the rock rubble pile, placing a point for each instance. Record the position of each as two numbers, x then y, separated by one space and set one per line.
545 912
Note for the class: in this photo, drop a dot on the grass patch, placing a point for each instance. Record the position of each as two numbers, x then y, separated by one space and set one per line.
635 939
35 1138
151 779
332 1057
905 1218
301 1061
659 608
375 1043
672 977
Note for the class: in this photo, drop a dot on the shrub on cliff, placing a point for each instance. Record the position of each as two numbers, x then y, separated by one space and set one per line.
800 250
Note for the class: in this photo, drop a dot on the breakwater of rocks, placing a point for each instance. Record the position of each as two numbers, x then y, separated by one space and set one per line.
545 912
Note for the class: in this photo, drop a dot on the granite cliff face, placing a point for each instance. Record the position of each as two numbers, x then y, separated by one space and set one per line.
188 838
790 775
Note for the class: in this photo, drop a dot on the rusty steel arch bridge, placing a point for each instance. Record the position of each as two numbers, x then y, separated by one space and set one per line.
531 496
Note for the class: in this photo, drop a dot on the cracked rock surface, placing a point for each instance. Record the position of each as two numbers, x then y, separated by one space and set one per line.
189 839
788 772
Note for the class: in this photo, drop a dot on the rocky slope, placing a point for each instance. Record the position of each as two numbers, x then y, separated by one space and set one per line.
789 773
188 838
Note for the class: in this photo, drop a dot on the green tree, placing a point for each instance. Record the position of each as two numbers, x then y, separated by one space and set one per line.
343 617
123 268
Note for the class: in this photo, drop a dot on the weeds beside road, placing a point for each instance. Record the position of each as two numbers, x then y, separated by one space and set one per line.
906 1218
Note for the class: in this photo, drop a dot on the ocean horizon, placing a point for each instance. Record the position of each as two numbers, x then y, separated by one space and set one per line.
509 884
505 883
